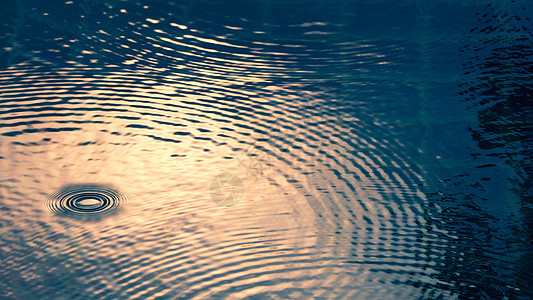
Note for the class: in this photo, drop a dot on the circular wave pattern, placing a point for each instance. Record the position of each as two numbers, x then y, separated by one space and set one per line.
334 131
86 201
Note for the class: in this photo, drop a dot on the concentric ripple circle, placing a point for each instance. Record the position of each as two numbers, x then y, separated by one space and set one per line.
86 200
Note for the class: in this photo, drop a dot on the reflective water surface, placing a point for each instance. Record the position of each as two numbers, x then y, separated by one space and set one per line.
265 149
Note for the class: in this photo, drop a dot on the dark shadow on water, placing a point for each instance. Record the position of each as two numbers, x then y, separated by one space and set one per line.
486 210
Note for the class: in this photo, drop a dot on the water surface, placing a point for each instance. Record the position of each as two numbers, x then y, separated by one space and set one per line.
265 149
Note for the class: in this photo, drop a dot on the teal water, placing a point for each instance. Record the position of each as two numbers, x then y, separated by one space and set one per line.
265 149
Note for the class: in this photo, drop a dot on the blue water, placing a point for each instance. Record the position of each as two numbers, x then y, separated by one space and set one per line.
266 149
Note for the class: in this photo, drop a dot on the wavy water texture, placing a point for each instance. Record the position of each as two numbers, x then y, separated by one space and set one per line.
266 149
90 201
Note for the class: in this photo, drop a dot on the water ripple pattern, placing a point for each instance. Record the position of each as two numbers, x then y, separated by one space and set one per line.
275 149
86 201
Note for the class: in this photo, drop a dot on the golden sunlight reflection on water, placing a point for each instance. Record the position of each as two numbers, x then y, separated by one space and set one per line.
263 149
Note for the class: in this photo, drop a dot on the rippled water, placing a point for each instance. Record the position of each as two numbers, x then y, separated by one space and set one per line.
265 149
